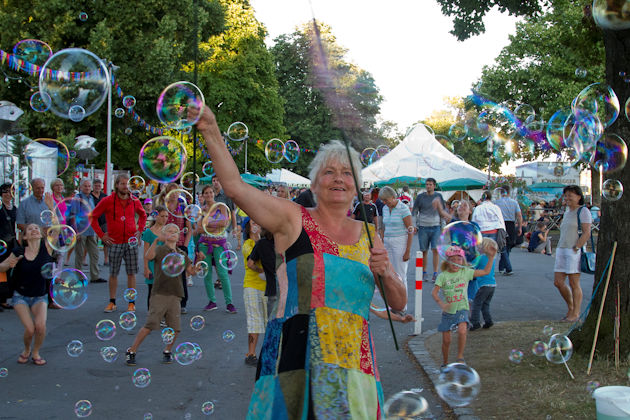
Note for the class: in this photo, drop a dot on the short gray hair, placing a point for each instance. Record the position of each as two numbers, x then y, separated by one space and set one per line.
55 181
36 180
334 150
386 193
84 180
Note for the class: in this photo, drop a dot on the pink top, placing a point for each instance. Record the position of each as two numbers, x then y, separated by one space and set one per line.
61 205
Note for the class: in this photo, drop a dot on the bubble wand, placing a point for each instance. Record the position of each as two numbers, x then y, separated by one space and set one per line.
343 116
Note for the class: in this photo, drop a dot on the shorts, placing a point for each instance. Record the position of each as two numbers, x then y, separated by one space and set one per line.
448 320
30 301
567 261
428 237
164 307
117 253
255 310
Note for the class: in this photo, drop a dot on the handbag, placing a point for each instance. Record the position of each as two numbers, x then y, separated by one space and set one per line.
587 259
501 239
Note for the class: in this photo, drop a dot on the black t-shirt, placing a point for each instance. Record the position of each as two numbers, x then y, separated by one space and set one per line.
370 212
306 199
265 252
7 225
379 206
27 275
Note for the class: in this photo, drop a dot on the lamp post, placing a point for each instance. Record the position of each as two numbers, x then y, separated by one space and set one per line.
489 147
108 165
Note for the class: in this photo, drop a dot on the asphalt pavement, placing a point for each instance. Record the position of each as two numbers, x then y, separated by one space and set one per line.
220 376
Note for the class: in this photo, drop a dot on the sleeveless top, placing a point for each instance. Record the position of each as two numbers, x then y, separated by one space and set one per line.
29 280
317 358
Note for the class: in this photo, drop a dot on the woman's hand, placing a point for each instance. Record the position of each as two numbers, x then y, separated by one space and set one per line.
206 122
379 261
406 256
147 273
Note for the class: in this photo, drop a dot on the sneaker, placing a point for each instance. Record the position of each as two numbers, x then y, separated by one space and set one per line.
110 308
190 283
131 307
184 311
99 280
508 273
167 357
251 360
210 306
488 325
230 309
163 324
434 277
425 276
130 358
474 327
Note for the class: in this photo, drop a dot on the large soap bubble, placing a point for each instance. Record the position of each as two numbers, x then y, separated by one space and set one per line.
74 77
237 131
611 153
185 353
61 238
174 102
458 384
76 214
217 220
405 405
465 235
173 264
163 159
69 288
32 51
41 150
600 100
612 190
559 349
611 14
274 150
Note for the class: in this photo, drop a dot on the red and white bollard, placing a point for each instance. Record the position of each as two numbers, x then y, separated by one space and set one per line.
417 329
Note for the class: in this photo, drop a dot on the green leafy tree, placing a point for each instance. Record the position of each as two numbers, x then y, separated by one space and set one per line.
468 20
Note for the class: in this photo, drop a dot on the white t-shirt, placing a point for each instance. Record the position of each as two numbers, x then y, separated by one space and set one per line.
488 216
569 226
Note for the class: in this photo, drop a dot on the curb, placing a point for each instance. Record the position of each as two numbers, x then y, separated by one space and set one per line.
432 370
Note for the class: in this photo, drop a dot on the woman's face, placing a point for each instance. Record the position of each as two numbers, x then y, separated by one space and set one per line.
571 199
161 218
208 196
334 183
57 188
463 211
32 232
254 228
390 202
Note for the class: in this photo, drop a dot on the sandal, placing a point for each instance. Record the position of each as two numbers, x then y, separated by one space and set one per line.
23 359
461 361
38 361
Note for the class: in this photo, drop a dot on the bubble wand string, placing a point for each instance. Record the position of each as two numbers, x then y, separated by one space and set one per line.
336 103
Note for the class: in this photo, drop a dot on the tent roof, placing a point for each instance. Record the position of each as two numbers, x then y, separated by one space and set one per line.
419 155
287 177
461 184
545 185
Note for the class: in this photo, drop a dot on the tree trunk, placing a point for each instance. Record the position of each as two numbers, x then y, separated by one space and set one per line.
615 224
596 193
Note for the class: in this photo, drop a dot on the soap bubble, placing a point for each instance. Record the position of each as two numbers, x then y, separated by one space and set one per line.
193 213
228 336
405 405
39 149
4 372
83 408
560 349
612 190
611 15
207 169
109 354
446 142
539 348
3 247
74 348
136 184
600 100
592 386
119 113
127 321
547 330
185 353
141 378
74 78
217 220
203 268
76 214
176 202
61 238
105 330
76 113
516 356
168 335
189 180
32 51
173 264
291 151
207 408
555 128
525 113
83 16
237 131
48 270
274 150
228 259
133 242
174 102
47 217
69 288
129 101
465 235
458 384
366 156
198 351
197 323
611 153
128 131
458 132
163 159
130 295
580 72
40 102
148 416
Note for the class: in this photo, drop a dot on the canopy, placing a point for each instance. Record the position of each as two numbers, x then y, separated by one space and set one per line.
287 177
545 186
406 180
253 180
461 184
420 155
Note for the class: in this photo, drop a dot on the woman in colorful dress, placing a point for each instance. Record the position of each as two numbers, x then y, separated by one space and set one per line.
317 359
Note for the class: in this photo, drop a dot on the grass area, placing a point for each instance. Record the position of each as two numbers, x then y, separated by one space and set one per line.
534 388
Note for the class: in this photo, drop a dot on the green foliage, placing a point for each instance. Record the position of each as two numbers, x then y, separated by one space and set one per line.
308 115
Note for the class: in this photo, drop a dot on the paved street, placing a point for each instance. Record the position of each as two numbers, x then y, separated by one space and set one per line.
50 392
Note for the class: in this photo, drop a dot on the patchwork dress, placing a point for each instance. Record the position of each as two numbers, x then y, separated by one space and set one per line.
317 358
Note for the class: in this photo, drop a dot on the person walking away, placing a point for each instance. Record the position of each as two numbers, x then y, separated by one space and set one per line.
97 196
120 209
166 293
77 217
488 217
8 214
568 250
453 282
513 219
428 223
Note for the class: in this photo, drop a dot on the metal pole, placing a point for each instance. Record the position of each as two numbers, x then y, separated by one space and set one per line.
196 55
245 155
108 164
489 145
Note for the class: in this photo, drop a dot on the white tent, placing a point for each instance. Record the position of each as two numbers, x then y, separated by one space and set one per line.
287 177
420 155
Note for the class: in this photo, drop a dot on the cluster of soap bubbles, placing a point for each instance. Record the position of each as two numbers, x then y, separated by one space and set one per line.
557 350
276 150
370 155
187 353
168 335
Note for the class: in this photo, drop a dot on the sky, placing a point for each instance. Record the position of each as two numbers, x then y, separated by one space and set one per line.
404 44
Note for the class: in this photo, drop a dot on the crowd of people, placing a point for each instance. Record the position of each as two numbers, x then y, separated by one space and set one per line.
314 260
